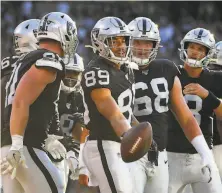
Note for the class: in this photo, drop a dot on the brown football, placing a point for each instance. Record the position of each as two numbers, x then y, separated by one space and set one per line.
136 142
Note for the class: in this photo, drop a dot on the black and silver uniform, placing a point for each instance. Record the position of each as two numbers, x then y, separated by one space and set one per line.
7 66
153 85
68 105
42 111
217 125
177 142
100 73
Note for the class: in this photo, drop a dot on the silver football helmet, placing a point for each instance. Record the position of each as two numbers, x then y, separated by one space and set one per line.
142 28
106 29
24 37
73 76
60 27
199 36
218 53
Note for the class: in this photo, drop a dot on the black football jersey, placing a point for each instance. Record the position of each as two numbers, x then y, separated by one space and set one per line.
217 137
68 104
153 86
41 112
100 73
210 80
7 66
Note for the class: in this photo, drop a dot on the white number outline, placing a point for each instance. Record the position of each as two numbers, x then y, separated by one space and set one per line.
147 100
199 103
102 74
10 85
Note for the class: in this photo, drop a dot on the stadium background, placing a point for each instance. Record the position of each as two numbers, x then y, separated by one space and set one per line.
174 19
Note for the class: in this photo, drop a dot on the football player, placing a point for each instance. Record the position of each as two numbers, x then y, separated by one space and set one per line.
200 89
157 85
108 100
71 111
24 41
31 98
216 64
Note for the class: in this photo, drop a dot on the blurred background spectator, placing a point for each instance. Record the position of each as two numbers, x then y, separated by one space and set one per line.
174 19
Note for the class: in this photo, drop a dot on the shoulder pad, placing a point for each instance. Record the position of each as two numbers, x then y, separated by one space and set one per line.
51 60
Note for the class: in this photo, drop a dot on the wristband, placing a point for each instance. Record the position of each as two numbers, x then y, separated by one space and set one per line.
17 142
212 101
201 147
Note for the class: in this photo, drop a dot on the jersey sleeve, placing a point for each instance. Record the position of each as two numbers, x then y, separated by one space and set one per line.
50 60
94 78
171 71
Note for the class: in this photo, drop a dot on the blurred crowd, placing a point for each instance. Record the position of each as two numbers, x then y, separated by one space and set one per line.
174 19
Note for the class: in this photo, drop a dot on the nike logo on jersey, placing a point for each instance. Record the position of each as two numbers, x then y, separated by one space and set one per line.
165 161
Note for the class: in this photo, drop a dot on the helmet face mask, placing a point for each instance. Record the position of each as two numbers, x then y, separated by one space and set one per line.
144 34
218 53
73 76
202 37
60 27
104 33
72 79
24 37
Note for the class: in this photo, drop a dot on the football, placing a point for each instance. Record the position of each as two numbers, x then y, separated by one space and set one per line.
136 142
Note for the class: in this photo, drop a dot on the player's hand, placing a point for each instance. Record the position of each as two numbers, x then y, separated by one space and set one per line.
55 147
208 164
10 163
73 164
196 89
78 117
83 179
153 153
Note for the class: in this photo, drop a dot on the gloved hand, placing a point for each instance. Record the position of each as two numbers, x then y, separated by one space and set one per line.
78 118
208 164
153 153
55 147
73 164
14 158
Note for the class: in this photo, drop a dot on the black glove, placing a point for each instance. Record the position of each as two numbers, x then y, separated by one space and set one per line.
70 144
153 153
78 118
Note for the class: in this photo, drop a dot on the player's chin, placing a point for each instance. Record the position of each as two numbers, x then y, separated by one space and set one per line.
136 142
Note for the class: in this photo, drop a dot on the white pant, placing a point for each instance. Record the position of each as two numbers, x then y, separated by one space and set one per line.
217 151
148 178
104 162
186 169
40 176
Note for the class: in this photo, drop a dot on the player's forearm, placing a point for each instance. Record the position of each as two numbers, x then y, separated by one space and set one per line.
19 118
84 134
191 128
120 124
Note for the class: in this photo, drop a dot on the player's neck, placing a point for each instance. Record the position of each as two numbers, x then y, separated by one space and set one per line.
117 66
193 72
52 47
